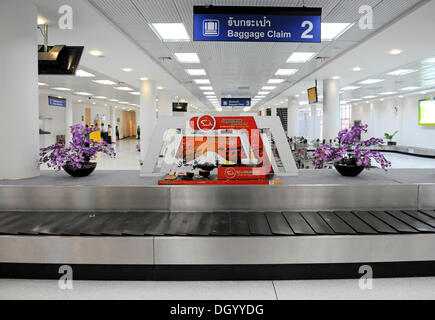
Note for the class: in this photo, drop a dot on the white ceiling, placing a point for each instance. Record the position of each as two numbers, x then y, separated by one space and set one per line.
231 65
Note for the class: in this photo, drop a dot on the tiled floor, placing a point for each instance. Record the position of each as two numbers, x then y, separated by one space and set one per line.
406 288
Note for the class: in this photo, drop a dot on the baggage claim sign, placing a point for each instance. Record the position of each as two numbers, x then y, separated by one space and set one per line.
258 24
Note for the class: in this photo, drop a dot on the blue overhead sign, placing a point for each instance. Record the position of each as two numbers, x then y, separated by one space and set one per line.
236 102
56 102
258 24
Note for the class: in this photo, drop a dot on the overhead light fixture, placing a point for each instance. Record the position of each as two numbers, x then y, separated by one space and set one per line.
350 88
263 93
409 88
84 74
124 102
370 97
170 31
301 57
41 21
206 88
371 81
123 88
105 82
303 103
388 93
127 69
268 88
332 31
187 57
286 72
336 78
96 53
135 93
275 81
395 52
113 100
355 100
208 93
160 88
42 84
401 97
100 97
196 72
401 72
356 69
143 78
202 81
83 93
61 89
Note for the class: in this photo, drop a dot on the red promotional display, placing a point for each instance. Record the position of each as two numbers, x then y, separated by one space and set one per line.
235 143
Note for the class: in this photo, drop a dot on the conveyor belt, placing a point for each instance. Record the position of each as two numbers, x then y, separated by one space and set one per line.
217 223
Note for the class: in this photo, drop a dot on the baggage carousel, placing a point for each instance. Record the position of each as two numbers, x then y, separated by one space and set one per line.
115 225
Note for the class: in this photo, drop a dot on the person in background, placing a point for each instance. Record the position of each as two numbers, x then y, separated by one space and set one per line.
104 132
138 132
109 134
117 133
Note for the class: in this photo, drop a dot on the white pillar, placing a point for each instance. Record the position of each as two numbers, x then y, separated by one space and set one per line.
113 122
293 117
68 119
19 122
147 114
331 109
164 105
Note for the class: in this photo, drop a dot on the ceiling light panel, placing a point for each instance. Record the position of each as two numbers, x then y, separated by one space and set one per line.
301 57
196 72
332 31
401 72
371 81
275 81
105 82
268 88
350 88
206 88
187 57
84 74
286 72
123 88
202 81
170 31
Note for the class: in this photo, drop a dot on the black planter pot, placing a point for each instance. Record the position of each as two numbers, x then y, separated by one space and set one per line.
348 171
84 171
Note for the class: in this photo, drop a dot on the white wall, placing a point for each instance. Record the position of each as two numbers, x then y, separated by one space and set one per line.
382 117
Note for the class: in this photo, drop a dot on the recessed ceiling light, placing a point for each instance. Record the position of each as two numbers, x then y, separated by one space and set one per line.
187 57
331 31
209 93
387 93
41 20
401 97
96 53
83 93
395 52
401 72
202 81
196 72
123 102
370 97
268 88
336 78
135 93
371 81
356 69
42 84
105 82
160 88
113 100
286 72
61 89
127 69
84 74
206 88
100 97
259 97
350 88
409 88
170 31
382 99
275 81
303 103
123 88
143 78
263 93
355 100
301 57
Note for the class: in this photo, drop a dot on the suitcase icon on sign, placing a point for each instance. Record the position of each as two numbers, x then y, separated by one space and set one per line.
210 27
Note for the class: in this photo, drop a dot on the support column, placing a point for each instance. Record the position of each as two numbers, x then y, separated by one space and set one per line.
147 114
164 104
19 112
331 109
68 119
293 117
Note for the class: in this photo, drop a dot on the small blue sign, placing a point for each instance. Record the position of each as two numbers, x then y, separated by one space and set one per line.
236 102
258 24
56 102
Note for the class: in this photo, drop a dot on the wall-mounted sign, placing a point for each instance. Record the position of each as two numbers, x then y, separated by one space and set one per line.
236 102
259 24
179 106
56 102
312 95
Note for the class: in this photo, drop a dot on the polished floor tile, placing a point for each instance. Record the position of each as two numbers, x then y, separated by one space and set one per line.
144 290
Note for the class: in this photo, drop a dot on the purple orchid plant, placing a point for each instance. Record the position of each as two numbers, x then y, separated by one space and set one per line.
78 152
352 151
